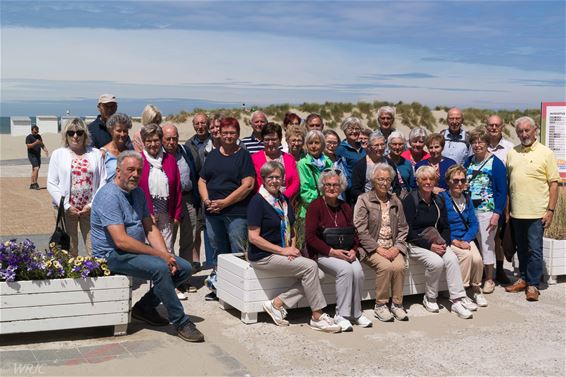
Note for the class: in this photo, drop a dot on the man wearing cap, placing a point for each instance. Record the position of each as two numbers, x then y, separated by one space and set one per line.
99 135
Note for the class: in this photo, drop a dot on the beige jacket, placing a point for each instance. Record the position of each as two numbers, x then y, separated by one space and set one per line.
367 220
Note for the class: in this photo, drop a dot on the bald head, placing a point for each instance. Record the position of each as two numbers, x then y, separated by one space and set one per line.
170 137
455 120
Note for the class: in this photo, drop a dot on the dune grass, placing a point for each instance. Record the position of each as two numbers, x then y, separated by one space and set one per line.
557 229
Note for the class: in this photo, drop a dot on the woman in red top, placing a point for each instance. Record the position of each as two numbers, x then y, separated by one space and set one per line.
335 257
416 151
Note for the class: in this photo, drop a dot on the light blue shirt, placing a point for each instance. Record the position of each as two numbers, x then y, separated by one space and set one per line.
112 206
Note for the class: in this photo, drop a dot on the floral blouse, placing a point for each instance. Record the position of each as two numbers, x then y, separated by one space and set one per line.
81 182
385 238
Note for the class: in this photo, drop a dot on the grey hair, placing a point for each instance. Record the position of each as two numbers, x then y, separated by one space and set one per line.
525 119
329 174
127 154
329 131
315 134
258 113
425 171
396 135
375 135
269 167
417 132
382 166
150 129
116 119
386 109
349 122
76 124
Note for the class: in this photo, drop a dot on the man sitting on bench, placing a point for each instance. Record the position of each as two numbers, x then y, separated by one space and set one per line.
120 224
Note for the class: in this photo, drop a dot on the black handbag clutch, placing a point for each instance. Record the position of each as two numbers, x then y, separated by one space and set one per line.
339 238
60 236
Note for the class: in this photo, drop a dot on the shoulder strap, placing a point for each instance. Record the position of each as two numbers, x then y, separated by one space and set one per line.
477 171
60 217
458 210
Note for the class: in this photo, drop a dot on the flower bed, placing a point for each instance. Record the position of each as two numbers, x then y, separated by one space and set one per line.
50 290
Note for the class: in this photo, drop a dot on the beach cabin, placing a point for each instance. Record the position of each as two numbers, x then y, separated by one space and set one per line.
47 124
64 120
20 126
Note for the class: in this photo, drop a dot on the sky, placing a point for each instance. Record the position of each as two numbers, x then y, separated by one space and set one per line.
58 55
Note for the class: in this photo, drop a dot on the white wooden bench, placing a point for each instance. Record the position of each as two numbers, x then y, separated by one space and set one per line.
243 288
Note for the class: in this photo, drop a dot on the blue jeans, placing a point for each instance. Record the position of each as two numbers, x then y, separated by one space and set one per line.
153 268
528 238
208 250
226 233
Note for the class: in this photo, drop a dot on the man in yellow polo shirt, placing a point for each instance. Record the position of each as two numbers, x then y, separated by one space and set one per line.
533 189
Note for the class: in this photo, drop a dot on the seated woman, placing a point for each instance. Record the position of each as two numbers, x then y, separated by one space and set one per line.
272 248
272 135
429 237
382 230
435 146
337 258
463 230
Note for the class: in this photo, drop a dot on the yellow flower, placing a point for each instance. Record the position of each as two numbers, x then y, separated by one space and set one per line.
65 252
52 245
71 260
106 272
56 264
7 243
49 263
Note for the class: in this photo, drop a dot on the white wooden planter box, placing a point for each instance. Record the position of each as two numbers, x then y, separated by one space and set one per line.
42 305
554 255
242 287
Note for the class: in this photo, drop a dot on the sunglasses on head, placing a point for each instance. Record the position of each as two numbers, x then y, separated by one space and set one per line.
72 133
335 171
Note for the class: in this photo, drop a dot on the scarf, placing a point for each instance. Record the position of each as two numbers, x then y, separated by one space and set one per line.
279 204
319 163
158 182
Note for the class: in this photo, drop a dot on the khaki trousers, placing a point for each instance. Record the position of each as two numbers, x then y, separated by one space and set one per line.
388 275
471 265
307 285
72 223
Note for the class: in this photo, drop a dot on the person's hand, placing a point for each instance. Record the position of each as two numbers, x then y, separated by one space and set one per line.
46 153
493 222
85 211
437 190
393 252
438 249
215 206
176 222
291 252
547 219
170 260
351 255
461 244
73 211
382 251
340 254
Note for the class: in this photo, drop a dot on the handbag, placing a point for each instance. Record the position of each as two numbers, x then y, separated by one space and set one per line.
60 237
339 238
431 235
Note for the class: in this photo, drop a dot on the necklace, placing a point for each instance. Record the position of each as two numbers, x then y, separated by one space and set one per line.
334 217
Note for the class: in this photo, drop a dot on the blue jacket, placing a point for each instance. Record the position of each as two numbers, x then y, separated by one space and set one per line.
351 156
188 156
458 229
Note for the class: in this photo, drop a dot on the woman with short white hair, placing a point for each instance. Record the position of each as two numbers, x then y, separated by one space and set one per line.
429 237
405 174
416 152
332 241
76 171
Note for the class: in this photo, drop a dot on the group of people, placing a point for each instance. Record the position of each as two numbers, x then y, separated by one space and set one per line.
296 198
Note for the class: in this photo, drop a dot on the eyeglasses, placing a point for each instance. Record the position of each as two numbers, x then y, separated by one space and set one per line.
460 181
353 131
478 142
383 180
332 185
274 178
72 133
494 125
335 171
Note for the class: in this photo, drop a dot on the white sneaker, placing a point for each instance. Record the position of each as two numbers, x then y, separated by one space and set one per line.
459 309
399 313
325 323
383 313
430 305
469 304
278 315
480 299
344 324
363 321
181 296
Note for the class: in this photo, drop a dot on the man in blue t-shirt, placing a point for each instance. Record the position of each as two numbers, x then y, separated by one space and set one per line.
120 224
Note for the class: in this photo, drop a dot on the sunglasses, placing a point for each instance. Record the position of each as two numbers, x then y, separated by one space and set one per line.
335 171
459 181
72 133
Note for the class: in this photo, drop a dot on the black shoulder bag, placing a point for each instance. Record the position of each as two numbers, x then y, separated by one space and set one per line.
60 236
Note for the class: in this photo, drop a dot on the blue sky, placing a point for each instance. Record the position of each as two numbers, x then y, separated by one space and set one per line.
489 54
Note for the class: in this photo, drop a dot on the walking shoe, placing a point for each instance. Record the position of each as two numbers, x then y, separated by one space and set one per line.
36 186
469 304
277 315
518 286
211 297
532 293
479 298
344 324
197 267
461 310
190 333
210 281
32 186
325 324
399 313
430 304
191 288
383 313
363 321
149 315
181 296
488 287
502 278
